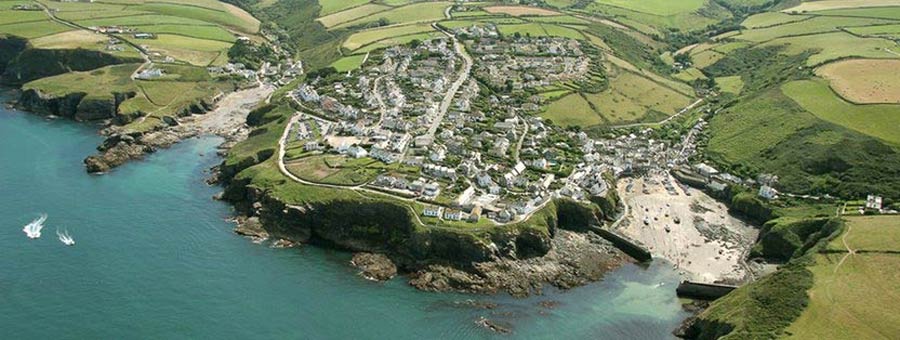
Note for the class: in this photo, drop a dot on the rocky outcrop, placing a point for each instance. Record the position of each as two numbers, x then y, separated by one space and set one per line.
376 267
574 260
119 148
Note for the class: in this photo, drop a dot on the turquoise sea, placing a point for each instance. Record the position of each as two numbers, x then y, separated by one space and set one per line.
156 258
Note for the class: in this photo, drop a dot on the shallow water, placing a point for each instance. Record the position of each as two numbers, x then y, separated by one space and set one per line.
155 258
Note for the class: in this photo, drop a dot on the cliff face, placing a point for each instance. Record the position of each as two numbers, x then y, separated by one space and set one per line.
10 47
76 105
30 64
385 227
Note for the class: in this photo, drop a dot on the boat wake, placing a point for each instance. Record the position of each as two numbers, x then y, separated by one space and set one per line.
65 238
33 229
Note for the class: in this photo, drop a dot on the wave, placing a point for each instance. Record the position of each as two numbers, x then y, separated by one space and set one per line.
33 229
65 238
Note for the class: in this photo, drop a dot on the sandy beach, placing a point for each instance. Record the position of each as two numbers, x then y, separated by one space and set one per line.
686 227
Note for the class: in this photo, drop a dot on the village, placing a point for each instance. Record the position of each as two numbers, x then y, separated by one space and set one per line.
489 155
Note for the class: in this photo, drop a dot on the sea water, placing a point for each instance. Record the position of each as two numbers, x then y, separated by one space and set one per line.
156 258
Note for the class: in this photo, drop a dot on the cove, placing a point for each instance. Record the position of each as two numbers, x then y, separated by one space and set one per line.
156 258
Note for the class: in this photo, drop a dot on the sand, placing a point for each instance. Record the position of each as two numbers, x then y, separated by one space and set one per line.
706 244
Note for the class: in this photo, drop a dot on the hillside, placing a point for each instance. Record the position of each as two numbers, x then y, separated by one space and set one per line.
84 60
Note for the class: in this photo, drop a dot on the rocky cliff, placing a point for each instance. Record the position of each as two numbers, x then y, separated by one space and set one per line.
518 258
22 65
76 105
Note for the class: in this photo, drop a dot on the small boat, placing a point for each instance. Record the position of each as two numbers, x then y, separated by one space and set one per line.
33 229
65 238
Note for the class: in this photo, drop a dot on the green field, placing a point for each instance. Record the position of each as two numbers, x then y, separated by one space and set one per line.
334 6
363 11
689 75
767 19
631 98
805 27
363 38
887 31
338 170
731 84
398 41
572 110
182 86
855 298
877 120
656 7
416 12
873 12
655 16
196 31
834 46
348 63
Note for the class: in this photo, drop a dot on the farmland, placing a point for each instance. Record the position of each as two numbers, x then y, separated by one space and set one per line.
864 81
653 17
880 121
198 32
631 98
854 297
416 12
519 10
572 110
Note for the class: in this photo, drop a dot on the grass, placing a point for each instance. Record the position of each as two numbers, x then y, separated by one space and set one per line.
767 19
70 39
348 63
151 98
200 52
656 16
857 299
883 31
877 12
872 234
706 58
755 125
769 132
398 41
814 25
34 29
880 121
351 14
823 5
215 33
333 169
833 46
689 75
415 12
141 20
572 110
334 6
221 17
731 84
864 81
657 7
363 38
520 10
633 98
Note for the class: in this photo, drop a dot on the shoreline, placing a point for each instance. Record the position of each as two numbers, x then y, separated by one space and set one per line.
692 230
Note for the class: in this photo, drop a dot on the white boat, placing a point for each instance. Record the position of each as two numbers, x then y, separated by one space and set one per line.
33 229
65 238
